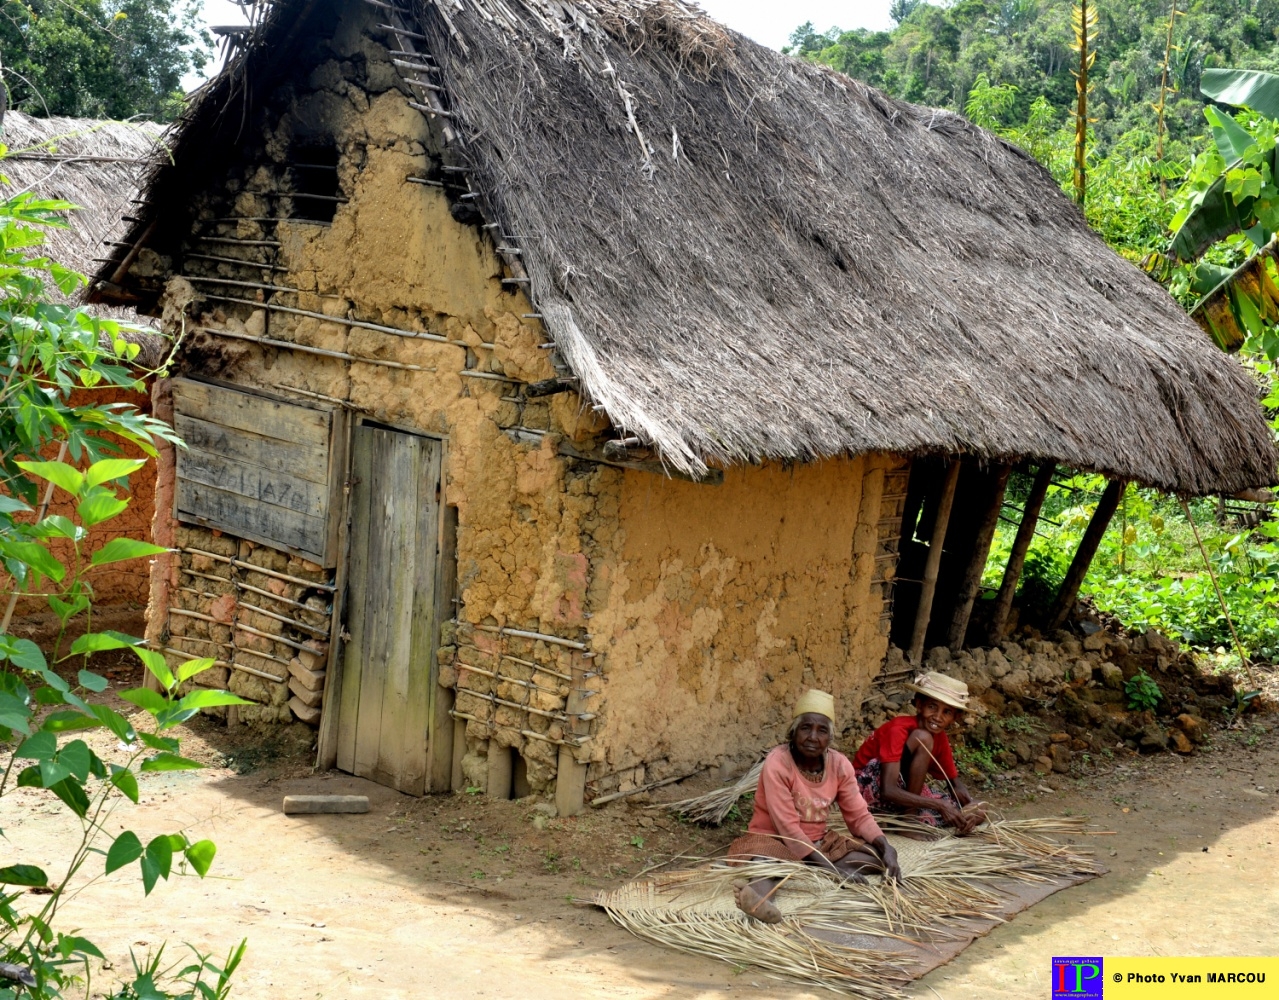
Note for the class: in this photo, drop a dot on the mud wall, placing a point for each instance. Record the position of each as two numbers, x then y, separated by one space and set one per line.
715 607
666 624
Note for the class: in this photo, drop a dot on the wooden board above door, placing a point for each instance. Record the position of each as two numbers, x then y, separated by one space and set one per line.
259 466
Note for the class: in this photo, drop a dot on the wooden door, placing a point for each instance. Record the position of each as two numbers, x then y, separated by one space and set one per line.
384 704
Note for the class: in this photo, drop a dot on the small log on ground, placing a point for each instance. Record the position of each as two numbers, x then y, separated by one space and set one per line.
307 805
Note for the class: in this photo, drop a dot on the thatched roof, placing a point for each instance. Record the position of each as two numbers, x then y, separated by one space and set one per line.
746 257
96 165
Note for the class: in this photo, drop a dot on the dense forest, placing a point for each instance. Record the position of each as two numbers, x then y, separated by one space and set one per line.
937 53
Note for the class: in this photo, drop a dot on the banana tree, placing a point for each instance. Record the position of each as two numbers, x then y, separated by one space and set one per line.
1233 196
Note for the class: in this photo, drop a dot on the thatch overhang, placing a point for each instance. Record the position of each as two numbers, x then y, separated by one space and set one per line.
745 257
96 165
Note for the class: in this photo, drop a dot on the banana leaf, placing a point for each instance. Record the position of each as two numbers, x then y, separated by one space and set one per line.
1243 88
1216 217
1243 302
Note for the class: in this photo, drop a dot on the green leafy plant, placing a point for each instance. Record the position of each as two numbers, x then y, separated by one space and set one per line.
1142 692
47 351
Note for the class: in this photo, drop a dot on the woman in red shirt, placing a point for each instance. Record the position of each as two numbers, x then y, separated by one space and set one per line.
895 761
799 782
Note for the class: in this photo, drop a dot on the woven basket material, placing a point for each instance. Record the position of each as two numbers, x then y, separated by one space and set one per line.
841 936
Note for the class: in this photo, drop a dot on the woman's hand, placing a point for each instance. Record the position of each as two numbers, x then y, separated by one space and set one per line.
888 855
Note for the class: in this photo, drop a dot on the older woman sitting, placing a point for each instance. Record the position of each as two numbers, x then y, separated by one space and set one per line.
799 782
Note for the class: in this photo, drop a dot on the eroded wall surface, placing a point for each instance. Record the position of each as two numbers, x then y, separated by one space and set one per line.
658 625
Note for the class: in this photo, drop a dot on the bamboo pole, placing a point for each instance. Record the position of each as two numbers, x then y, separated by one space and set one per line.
1021 546
1088 545
971 583
929 585
1243 657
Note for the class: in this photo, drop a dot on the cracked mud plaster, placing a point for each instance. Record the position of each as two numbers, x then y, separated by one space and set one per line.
712 607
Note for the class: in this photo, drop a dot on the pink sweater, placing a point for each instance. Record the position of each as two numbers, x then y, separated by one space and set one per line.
789 805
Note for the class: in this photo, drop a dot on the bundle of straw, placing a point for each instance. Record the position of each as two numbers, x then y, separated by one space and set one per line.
713 807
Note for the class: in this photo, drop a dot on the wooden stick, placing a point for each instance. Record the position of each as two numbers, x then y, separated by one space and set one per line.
1106 507
257 569
519 634
604 799
339 320
1021 546
971 583
289 345
1243 657
929 587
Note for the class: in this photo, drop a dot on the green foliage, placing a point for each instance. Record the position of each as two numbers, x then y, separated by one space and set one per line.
101 58
938 51
47 352
1142 692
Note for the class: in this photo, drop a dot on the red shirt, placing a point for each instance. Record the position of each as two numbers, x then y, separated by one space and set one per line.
887 742
789 805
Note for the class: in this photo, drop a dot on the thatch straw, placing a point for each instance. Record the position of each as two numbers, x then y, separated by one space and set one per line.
745 257
951 886
93 164
713 807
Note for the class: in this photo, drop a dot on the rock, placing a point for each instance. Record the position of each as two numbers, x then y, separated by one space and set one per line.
1022 750
1061 757
540 821
1072 707
1161 644
1043 669
1111 676
1043 765
1178 741
312 680
978 682
1120 646
1097 641
996 664
305 713
1152 739
1079 745
309 698
1015 684
546 809
1096 714
1060 737
1192 726
1006 759
993 700
937 658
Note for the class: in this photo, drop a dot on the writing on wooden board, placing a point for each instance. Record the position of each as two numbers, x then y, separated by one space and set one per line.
256 467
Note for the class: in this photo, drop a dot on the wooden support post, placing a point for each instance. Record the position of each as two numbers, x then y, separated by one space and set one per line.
929 585
570 784
570 774
1106 508
441 757
971 583
501 774
458 779
1021 545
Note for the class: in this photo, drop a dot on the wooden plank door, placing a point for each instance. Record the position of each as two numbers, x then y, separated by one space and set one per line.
384 704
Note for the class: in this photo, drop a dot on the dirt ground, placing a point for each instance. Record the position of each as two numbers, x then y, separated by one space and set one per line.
461 896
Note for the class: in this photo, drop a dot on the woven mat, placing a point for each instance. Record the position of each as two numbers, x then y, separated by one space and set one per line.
860 940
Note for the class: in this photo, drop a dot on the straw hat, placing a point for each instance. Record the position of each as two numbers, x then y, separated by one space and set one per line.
947 690
818 702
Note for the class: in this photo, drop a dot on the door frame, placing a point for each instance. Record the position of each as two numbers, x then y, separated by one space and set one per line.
439 734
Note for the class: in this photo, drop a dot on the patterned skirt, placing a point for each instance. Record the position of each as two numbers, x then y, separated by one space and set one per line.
870 782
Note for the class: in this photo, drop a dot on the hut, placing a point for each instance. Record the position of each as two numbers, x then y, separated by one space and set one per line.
563 381
96 166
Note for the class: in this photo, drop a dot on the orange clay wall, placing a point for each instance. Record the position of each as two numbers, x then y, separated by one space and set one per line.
116 584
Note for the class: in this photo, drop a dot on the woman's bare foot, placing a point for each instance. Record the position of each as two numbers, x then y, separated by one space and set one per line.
754 903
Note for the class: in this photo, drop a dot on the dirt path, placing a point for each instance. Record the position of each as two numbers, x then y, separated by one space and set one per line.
459 896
